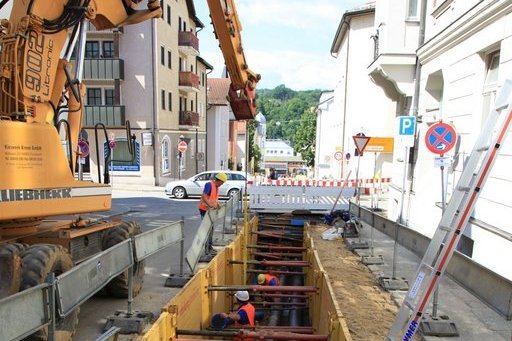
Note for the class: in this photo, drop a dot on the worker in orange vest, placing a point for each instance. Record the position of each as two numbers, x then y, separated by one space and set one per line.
210 199
268 279
244 316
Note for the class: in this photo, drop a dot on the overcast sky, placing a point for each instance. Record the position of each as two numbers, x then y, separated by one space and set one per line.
286 41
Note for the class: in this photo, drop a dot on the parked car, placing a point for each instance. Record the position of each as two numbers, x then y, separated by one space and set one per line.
193 187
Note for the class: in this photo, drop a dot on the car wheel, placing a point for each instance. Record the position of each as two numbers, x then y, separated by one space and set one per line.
179 192
232 192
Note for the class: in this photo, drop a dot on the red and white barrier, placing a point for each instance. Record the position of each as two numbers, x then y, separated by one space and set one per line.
320 183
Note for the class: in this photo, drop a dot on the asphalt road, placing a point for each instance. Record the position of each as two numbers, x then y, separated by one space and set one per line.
150 210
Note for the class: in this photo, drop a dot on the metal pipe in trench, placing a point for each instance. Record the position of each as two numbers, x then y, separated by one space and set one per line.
277 272
273 263
277 247
263 334
264 288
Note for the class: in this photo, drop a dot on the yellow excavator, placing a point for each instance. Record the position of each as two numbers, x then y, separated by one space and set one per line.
41 104
41 108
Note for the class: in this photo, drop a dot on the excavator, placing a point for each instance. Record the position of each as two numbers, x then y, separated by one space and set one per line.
41 109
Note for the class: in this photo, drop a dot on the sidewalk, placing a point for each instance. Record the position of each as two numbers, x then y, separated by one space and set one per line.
138 188
474 319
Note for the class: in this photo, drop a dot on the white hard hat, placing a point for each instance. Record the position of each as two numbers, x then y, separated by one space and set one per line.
242 295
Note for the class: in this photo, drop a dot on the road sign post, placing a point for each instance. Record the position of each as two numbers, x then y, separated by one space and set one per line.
182 148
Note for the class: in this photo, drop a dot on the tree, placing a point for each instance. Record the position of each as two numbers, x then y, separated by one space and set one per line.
305 136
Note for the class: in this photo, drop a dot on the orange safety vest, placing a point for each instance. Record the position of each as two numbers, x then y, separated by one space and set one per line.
250 311
268 278
212 198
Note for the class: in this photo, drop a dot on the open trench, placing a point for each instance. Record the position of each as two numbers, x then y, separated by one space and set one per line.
282 311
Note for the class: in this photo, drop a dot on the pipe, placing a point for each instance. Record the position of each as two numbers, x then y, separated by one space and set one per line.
263 288
273 263
277 254
300 330
295 316
262 335
278 272
278 303
277 247
282 295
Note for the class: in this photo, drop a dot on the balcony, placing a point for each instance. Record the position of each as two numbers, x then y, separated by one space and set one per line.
189 82
189 118
109 115
102 68
188 43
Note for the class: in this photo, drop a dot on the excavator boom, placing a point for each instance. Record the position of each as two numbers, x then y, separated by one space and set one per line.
243 81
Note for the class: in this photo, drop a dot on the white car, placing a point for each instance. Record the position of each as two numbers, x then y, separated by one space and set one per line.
193 187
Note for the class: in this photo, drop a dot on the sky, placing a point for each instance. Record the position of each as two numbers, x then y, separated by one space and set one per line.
286 41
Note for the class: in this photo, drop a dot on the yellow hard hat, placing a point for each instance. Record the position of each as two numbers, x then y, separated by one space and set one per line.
221 176
261 278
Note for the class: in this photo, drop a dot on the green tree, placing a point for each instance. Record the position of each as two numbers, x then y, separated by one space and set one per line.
305 136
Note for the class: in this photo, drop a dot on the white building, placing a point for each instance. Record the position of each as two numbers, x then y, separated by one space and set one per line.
464 57
217 122
359 106
328 126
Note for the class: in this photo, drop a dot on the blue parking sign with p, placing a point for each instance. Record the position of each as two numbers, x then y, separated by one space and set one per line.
407 125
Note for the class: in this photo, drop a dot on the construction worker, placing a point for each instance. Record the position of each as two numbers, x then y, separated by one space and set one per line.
244 315
268 279
210 199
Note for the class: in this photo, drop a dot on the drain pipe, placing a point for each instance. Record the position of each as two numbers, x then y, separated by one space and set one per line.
275 315
296 315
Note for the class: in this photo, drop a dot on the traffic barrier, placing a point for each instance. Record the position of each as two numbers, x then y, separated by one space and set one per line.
321 183
33 309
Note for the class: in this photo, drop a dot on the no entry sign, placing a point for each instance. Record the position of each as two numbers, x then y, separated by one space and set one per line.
182 146
440 138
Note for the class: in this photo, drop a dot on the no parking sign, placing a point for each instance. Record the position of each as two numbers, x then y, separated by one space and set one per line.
440 138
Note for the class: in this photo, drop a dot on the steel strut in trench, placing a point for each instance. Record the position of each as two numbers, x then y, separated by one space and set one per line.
455 217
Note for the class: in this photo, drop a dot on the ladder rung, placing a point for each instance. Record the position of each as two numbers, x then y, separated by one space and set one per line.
408 304
483 149
445 228
463 189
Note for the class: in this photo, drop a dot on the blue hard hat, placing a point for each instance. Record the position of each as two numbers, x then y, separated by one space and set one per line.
219 322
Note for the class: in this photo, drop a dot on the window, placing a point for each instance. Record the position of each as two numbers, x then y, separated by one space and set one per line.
108 49
162 55
237 177
163 99
162 7
166 166
92 49
168 14
205 177
169 59
490 84
412 9
179 24
202 78
170 101
110 96
191 105
94 96
181 61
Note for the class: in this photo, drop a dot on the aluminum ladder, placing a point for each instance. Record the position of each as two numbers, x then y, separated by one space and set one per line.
455 217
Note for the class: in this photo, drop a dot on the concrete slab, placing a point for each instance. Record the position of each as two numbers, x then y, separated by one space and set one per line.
439 326
133 323
372 260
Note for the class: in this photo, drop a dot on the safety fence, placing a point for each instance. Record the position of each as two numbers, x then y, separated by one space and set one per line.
31 310
363 183
275 199
193 307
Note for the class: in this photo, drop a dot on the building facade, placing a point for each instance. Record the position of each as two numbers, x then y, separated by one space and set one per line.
358 106
451 73
151 75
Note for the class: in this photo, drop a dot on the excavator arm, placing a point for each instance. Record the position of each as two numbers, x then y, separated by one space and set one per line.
243 81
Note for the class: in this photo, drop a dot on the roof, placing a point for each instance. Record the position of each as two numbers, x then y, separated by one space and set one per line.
218 91
192 13
345 21
288 158
208 65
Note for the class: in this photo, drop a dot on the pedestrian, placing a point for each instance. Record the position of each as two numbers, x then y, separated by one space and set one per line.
243 316
210 199
268 279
